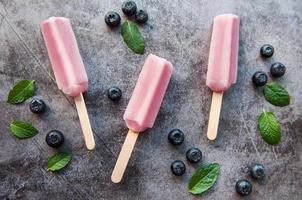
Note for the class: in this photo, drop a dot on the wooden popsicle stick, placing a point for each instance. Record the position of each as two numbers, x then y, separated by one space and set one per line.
123 158
84 120
214 115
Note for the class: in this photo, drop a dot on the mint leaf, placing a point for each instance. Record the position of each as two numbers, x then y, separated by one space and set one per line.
58 161
133 37
21 91
204 178
22 130
269 128
276 94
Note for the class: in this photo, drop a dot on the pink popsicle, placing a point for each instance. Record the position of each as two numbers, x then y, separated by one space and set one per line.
148 94
222 66
68 67
64 55
143 106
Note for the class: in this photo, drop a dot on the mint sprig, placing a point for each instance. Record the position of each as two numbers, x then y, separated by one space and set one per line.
58 161
132 37
204 178
22 130
21 91
269 128
276 94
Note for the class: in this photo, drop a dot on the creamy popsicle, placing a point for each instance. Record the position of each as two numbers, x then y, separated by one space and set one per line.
143 106
68 67
222 65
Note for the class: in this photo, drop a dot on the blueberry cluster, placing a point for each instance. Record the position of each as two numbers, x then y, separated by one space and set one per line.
193 155
54 138
129 8
244 186
277 69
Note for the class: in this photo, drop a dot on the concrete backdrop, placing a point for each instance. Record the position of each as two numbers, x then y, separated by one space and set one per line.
179 31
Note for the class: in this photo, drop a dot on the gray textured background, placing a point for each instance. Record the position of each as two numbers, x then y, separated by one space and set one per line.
180 32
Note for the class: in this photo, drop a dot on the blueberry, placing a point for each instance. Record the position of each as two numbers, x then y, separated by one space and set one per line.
277 69
141 16
129 8
114 93
243 187
112 19
259 78
258 171
55 138
37 106
178 167
194 155
267 51
176 137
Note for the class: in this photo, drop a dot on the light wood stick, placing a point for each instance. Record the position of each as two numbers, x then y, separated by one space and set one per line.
124 156
214 115
84 120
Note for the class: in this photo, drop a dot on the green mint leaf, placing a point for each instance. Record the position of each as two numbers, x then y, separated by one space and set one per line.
21 91
133 37
269 128
204 178
276 94
58 161
22 130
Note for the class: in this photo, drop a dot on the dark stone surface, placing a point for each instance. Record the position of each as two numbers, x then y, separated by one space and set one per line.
179 31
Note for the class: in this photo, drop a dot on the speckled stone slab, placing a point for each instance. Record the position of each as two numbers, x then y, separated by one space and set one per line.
180 32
